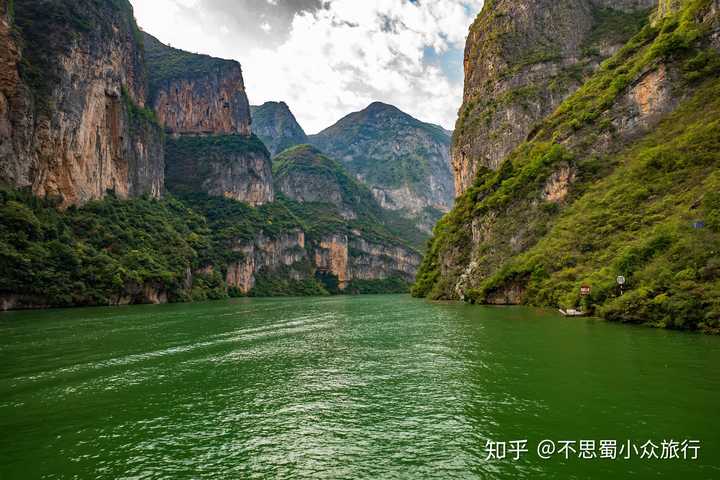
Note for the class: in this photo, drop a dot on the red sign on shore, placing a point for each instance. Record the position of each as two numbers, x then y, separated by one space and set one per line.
585 290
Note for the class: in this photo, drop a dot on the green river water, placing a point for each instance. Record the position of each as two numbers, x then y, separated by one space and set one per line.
365 387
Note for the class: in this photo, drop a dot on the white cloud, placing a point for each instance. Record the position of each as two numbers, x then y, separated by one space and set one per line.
338 59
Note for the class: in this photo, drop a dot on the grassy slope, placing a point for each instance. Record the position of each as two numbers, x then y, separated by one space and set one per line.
638 222
629 213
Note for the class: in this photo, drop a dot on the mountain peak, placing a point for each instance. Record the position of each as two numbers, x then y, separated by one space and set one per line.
381 106
276 126
273 104
394 153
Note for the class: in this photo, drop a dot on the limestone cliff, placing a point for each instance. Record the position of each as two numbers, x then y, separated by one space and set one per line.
370 260
201 103
331 256
620 179
72 93
324 232
232 166
196 94
276 126
346 257
351 257
347 229
304 174
268 255
403 161
75 123
522 59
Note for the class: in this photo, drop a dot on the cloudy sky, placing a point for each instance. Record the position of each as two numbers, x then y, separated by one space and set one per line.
329 58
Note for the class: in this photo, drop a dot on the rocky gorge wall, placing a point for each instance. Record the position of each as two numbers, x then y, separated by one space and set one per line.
231 166
370 261
605 184
196 94
522 59
72 95
202 105
269 255
89 105
354 258
305 175
292 257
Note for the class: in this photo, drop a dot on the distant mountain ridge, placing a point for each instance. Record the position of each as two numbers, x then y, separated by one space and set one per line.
405 162
276 126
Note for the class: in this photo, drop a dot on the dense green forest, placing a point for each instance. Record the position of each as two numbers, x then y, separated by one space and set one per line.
109 250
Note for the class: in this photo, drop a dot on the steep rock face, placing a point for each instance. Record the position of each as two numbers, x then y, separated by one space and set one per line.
522 59
405 162
304 174
276 126
264 254
347 257
10 83
196 94
73 87
608 184
346 220
233 166
331 256
351 257
371 260
201 103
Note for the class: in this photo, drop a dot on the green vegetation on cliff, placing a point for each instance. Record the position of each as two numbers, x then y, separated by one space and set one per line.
403 161
113 251
636 210
276 126
367 137
611 27
125 251
50 29
190 159
141 118
96 254
308 168
534 64
639 222
305 167
170 64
